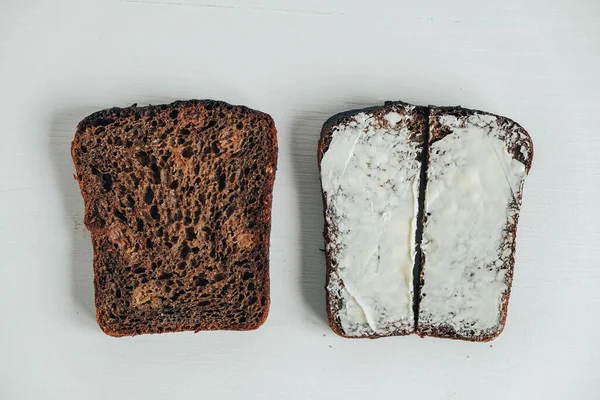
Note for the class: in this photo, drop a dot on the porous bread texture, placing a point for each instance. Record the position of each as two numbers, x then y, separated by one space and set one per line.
178 203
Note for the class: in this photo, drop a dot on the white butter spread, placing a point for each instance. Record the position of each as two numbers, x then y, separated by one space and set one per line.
472 180
370 177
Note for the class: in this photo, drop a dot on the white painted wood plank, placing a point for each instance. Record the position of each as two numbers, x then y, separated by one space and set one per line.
301 61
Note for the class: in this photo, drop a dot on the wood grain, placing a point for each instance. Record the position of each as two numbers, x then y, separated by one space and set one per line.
535 61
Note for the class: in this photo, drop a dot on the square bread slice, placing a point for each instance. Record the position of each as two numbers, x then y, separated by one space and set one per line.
477 164
370 165
178 204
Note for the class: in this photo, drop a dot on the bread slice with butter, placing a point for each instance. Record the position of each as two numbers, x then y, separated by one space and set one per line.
477 164
370 162
421 208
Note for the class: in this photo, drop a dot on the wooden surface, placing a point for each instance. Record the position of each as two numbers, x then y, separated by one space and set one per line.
537 62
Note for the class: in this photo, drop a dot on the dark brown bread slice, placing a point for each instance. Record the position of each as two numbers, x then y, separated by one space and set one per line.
178 203
416 125
519 145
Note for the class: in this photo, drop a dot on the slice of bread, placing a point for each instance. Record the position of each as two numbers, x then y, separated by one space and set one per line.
426 201
178 204
370 166
477 164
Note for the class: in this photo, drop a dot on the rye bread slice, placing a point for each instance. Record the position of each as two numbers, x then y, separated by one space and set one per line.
404 126
178 203
477 165
510 146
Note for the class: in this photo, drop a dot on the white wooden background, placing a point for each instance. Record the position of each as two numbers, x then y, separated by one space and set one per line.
536 61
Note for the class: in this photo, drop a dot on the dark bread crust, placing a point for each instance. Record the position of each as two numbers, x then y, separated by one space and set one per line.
178 203
438 132
419 127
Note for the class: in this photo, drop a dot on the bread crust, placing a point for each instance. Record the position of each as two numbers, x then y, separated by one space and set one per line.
156 124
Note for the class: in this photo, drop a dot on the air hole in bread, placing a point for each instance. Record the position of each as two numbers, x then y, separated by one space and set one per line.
143 158
107 182
120 215
190 233
221 182
149 196
187 152
154 212
185 251
201 281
